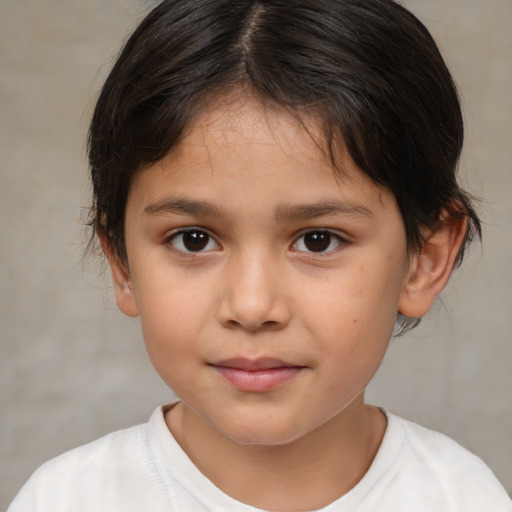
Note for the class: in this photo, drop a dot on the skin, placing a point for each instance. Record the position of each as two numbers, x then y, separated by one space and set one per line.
254 182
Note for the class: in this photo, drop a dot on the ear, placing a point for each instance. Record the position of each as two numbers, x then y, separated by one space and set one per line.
431 267
125 296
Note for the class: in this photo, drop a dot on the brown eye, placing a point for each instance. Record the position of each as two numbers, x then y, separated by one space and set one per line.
193 240
317 241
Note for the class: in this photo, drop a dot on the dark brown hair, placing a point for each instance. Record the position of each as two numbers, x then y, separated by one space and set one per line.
368 70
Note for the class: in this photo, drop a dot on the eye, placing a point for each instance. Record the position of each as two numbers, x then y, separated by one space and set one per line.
318 241
193 240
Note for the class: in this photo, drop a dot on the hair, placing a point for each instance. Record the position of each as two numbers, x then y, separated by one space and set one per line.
368 71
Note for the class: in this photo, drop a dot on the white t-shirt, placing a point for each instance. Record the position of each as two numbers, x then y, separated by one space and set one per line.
144 469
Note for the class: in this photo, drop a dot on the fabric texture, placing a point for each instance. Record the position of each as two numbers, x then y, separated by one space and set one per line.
144 468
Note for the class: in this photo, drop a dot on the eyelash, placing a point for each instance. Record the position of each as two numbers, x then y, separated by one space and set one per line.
339 241
204 240
183 232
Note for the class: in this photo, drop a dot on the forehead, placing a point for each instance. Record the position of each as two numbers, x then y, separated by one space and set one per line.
232 113
242 149
239 126
240 122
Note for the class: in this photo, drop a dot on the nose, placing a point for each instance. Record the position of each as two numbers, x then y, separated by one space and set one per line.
254 294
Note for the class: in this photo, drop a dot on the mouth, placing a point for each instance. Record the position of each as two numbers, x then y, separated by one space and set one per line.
256 375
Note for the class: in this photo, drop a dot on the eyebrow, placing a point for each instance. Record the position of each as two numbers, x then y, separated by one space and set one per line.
321 208
183 206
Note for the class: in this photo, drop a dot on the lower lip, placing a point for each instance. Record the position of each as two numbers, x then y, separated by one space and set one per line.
258 381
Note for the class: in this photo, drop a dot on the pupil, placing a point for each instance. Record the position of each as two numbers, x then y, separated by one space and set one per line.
195 240
317 241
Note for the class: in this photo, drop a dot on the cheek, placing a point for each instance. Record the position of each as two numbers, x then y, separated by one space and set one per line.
355 315
173 314
357 295
170 333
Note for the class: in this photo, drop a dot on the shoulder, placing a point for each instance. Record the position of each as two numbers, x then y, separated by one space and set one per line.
82 475
439 452
441 469
115 449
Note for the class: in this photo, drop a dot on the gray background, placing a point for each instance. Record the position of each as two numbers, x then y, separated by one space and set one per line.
72 368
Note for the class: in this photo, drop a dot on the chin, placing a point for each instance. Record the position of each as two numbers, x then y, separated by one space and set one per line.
261 432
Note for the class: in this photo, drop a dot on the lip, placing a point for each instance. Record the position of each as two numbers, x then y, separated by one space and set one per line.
256 375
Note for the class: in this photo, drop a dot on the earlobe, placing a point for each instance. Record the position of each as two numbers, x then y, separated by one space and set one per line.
431 267
121 279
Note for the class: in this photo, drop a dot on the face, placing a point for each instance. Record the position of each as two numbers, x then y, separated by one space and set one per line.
266 285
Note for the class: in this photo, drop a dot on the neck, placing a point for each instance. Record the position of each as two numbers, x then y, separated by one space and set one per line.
305 474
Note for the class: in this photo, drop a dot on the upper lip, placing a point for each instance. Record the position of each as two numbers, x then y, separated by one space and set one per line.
261 363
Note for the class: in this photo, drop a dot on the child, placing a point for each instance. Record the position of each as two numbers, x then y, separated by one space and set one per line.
274 188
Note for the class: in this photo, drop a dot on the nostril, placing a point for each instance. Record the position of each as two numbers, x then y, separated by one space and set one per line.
252 326
270 324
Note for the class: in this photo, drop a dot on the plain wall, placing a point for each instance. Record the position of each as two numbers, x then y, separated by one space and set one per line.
72 368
